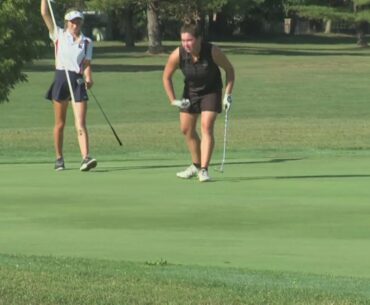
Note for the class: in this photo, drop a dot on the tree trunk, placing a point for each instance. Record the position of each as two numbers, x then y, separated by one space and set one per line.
361 32
289 26
328 26
129 27
154 32
361 29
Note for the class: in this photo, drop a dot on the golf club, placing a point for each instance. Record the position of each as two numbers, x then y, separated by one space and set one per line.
65 69
106 118
221 169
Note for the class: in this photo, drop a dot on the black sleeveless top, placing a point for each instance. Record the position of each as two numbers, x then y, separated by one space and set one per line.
203 76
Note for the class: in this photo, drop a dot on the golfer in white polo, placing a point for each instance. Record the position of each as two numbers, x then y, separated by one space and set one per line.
73 54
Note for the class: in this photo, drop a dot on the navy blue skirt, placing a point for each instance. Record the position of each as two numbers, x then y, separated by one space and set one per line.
59 89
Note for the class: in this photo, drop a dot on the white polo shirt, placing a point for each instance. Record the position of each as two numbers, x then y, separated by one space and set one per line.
71 54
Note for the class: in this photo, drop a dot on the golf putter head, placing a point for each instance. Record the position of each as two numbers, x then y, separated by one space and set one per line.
220 169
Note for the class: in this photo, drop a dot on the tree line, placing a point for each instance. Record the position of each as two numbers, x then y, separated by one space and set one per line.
22 33
225 18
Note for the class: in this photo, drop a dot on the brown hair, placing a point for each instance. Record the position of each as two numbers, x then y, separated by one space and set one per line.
192 28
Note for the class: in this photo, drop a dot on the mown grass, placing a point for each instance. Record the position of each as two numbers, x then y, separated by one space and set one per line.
253 137
291 96
49 280
294 196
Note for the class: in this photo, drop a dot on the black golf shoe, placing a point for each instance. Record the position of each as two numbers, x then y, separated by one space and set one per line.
87 164
59 164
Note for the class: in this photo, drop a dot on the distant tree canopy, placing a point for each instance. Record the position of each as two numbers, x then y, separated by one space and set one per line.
356 12
223 18
19 41
123 14
129 16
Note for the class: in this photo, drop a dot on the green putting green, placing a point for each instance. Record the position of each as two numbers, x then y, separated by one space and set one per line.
307 215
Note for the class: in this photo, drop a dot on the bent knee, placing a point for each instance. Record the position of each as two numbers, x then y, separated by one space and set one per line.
188 131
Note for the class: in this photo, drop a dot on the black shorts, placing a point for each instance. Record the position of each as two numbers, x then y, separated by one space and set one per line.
207 102
59 89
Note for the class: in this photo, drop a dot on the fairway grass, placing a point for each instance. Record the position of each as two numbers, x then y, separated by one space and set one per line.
48 280
286 223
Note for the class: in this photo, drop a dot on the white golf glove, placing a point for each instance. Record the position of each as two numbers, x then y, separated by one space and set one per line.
182 104
226 103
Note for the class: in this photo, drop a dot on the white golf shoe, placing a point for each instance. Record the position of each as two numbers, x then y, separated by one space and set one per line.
203 175
188 173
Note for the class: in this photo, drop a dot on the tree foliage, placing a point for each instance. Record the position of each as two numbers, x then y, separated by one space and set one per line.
361 2
107 5
356 12
318 12
336 10
20 26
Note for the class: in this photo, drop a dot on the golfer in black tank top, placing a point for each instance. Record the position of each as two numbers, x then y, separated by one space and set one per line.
202 78
202 95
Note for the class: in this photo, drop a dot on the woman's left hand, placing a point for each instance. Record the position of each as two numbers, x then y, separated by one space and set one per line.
89 83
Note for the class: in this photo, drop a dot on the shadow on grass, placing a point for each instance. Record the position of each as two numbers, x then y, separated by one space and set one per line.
293 52
127 68
116 51
330 39
270 46
103 169
239 179
102 68
121 49
143 167
26 162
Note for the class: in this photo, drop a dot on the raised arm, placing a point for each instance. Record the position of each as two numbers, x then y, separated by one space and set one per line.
45 13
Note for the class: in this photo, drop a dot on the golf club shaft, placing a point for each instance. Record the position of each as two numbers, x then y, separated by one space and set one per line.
52 14
225 141
106 118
